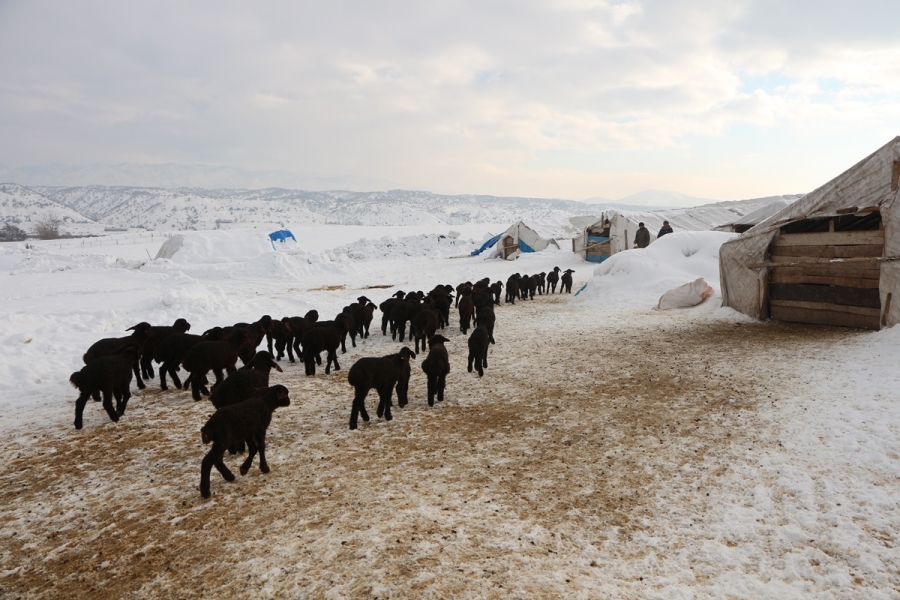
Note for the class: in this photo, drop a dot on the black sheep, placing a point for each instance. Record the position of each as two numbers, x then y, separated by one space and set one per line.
553 279
172 350
107 375
566 281
487 318
245 383
247 422
423 326
157 335
512 288
479 342
108 346
383 375
327 338
436 366
496 289
214 356
466 310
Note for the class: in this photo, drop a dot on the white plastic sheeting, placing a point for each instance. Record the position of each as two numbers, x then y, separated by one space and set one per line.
687 295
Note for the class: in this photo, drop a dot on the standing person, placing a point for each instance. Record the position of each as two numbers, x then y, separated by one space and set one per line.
666 228
642 236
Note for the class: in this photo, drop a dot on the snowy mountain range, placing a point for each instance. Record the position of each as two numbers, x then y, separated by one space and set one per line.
203 209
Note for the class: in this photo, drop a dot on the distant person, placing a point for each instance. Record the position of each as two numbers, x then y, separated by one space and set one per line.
666 228
642 236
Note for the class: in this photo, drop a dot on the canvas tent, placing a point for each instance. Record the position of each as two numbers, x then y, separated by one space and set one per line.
530 236
829 258
619 226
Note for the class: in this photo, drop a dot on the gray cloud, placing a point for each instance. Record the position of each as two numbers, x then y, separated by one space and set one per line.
565 99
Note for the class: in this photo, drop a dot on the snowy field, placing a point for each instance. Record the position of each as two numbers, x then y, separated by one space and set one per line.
611 449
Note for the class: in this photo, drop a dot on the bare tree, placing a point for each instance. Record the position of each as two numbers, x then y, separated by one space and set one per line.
12 233
47 227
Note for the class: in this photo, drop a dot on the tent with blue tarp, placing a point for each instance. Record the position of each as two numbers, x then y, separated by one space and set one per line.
281 235
486 245
522 237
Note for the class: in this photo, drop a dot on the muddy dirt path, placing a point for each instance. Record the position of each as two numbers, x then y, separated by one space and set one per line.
544 478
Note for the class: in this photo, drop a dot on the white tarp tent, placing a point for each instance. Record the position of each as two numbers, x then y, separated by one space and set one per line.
623 224
779 203
868 188
532 236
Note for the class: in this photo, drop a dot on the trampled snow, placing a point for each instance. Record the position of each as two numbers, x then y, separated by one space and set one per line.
611 449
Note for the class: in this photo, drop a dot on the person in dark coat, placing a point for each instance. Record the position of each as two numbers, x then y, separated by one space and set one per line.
666 228
642 237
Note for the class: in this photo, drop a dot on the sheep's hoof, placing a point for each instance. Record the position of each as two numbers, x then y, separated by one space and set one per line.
78 424
205 493
352 426
141 385
229 476
114 417
388 417
264 468
244 470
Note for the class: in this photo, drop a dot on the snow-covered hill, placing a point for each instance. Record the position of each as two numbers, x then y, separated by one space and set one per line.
23 207
157 208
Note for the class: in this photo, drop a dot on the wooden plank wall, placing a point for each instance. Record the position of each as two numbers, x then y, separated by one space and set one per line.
839 294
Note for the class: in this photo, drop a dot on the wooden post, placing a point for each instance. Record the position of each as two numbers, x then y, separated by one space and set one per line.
887 308
895 176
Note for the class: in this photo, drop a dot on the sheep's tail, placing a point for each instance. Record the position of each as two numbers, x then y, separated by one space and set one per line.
76 379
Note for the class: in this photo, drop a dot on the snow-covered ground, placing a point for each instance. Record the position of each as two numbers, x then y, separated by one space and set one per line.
610 450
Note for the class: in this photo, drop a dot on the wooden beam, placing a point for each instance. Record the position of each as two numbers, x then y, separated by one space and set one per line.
826 270
856 263
793 276
829 294
895 176
823 317
835 238
823 251
887 308
854 310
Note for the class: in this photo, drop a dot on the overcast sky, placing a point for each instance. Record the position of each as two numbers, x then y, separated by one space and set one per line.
566 98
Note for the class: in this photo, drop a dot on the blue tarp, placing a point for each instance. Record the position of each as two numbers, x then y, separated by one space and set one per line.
597 239
596 258
525 247
486 245
281 235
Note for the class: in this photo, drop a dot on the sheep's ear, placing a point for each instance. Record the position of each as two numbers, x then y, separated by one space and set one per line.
277 367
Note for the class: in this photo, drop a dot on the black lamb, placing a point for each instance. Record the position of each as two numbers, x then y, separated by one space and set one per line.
553 279
108 346
325 336
479 342
246 382
157 336
566 281
383 375
107 375
214 356
172 350
247 422
436 366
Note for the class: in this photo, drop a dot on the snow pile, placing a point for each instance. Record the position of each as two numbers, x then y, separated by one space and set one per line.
418 246
216 247
643 275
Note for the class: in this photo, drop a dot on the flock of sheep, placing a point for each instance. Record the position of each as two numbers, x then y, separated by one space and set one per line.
245 401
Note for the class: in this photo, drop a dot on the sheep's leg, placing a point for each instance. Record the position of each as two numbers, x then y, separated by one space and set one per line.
402 330
261 446
162 377
108 404
121 404
195 386
227 475
79 408
147 367
344 343
441 381
432 383
471 360
353 339
136 367
385 319
173 371
484 359
213 457
358 408
384 404
310 364
221 377
289 347
252 449
402 393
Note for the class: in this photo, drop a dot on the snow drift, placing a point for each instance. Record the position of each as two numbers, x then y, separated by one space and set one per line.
643 275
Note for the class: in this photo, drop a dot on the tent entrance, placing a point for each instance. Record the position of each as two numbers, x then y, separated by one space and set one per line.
508 245
813 287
